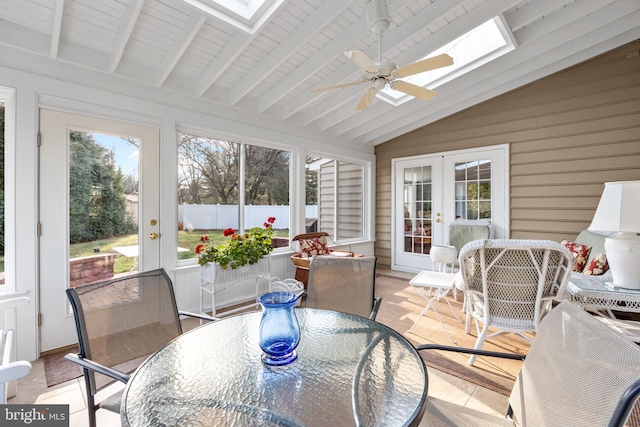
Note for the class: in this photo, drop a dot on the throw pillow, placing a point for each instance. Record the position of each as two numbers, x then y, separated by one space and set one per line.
580 253
311 247
597 266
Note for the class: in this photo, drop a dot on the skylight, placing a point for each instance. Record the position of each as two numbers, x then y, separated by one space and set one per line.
246 15
483 44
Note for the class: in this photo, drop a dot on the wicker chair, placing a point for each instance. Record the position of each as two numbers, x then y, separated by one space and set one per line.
510 284
577 373
343 284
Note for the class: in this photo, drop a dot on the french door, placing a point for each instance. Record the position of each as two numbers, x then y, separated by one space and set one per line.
431 192
98 210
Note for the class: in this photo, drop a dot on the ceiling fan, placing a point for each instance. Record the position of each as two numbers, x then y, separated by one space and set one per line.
380 74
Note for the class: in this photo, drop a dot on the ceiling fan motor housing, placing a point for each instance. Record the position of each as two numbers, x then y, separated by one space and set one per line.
377 16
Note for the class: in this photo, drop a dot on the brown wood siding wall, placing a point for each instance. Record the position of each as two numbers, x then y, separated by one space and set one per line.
569 133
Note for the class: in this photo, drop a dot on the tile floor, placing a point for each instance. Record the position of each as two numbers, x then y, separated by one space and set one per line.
33 389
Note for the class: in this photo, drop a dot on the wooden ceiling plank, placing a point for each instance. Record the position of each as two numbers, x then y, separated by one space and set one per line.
320 18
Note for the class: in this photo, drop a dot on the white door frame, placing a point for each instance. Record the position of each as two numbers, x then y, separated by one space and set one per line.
499 182
58 327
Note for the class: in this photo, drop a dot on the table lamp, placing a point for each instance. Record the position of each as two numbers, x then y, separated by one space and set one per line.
619 211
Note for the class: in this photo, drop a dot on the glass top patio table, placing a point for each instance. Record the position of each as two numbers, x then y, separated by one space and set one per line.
350 371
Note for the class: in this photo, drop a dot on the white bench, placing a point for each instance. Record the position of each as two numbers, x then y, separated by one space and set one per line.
10 369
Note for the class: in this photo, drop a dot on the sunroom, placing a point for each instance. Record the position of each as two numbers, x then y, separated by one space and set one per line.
204 117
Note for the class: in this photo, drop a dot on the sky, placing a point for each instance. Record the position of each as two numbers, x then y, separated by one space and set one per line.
126 155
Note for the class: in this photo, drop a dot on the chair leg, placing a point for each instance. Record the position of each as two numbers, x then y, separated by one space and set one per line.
91 403
479 342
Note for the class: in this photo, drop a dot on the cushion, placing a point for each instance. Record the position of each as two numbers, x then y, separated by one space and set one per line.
595 240
580 253
597 266
316 246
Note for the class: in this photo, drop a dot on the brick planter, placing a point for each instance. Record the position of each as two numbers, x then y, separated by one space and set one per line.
90 269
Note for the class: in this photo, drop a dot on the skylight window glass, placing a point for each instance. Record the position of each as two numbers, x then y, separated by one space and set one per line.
246 15
474 48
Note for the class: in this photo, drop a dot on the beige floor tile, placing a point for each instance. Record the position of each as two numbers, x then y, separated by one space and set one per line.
489 401
69 394
447 387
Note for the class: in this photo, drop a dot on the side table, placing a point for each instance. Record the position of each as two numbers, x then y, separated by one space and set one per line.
433 286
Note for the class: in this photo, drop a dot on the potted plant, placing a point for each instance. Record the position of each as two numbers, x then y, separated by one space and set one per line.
241 257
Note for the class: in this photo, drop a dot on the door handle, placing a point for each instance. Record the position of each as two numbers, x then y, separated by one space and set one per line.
154 236
438 220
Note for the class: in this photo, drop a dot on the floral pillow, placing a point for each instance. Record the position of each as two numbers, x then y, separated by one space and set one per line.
580 253
597 266
311 247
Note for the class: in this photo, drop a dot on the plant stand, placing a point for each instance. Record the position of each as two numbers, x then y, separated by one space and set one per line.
214 279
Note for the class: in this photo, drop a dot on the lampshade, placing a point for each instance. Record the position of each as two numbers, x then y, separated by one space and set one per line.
619 211
619 208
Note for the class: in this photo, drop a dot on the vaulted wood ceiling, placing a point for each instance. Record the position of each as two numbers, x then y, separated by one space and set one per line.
169 51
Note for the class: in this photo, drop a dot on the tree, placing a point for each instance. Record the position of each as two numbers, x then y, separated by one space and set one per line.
209 172
311 182
267 176
97 207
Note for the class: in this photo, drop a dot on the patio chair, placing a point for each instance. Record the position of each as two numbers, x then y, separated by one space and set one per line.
510 284
121 322
461 232
578 372
343 284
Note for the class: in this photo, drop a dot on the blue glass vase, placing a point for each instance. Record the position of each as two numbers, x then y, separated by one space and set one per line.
279 330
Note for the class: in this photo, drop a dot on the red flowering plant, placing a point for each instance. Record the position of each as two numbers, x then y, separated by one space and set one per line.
241 249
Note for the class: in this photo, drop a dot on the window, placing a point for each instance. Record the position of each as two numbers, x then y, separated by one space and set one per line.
214 194
483 44
473 190
2 240
245 15
339 189
7 216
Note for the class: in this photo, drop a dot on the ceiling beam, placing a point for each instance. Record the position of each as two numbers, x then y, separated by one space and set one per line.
56 28
239 41
180 44
129 19
320 59
530 12
559 19
320 18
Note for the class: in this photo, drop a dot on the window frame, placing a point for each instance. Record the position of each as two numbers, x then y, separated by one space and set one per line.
368 182
294 223
8 96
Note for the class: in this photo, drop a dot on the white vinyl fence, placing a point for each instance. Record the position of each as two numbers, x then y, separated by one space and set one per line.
220 217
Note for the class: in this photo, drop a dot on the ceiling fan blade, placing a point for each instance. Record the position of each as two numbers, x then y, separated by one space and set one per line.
338 86
362 61
413 90
424 65
367 98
